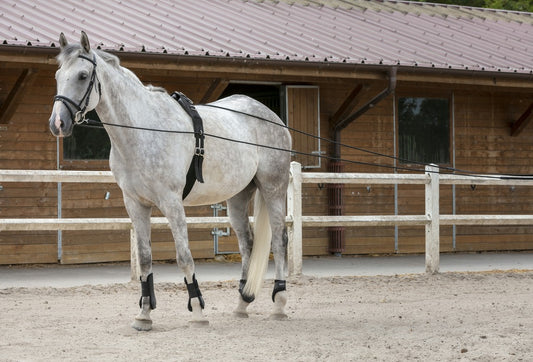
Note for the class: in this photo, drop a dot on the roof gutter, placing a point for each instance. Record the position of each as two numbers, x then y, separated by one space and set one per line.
370 104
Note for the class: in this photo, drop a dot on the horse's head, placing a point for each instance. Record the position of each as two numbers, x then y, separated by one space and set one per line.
77 86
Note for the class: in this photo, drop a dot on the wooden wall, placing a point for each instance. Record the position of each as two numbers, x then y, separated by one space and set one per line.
482 143
26 143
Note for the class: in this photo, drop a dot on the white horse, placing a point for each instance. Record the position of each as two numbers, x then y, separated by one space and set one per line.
151 167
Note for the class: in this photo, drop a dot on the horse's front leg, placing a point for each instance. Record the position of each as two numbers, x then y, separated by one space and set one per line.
173 210
140 217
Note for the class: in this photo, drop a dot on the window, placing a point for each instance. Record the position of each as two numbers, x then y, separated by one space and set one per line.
267 94
424 130
87 143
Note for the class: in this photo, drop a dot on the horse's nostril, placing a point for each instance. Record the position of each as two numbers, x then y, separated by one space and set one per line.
58 122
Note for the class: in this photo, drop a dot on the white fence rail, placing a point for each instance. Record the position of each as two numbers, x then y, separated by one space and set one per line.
432 219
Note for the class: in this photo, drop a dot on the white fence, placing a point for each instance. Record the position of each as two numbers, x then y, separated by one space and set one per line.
432 219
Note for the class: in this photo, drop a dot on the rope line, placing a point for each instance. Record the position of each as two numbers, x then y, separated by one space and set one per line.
375 153
96 124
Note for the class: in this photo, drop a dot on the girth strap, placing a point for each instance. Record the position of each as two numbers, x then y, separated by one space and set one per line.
195 169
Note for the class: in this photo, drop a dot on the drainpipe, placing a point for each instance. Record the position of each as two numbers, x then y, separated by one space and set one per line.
335 191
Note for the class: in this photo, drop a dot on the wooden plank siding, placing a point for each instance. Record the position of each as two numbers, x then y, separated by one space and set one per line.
482 138
303 115
26 143
483 144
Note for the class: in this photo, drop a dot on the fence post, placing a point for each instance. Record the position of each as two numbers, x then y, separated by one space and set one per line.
294 211
433 214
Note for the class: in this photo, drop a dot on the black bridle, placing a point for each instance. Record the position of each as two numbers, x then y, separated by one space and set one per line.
84 102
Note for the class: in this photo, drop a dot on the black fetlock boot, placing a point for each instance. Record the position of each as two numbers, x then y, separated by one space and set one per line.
245 297
198 317
148 290
279 286
194 292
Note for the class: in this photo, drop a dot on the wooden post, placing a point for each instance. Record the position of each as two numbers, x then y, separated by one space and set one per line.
433 214
294 211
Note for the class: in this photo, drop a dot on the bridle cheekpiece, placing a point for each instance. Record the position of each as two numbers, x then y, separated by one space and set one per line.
79 116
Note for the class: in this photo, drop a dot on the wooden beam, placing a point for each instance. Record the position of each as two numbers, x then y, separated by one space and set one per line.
12 57
486 219
364 178
518 126
56 176
21 86
346 106
123 223
374 220
215 90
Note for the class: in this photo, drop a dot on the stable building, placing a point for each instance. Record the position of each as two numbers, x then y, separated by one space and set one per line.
397 83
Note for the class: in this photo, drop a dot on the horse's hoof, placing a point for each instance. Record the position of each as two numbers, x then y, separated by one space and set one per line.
142 324
278 317
239 314
199 323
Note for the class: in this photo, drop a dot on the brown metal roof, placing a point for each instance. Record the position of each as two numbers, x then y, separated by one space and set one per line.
340 31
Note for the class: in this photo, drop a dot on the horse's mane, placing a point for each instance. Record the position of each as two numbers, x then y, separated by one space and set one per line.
153 88
109 58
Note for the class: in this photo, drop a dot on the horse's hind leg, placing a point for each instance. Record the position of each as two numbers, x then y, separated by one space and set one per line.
140 216
238 214
276 207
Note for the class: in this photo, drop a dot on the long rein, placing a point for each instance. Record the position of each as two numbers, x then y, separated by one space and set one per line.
79 118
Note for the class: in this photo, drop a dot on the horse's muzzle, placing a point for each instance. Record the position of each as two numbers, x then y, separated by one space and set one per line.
60 122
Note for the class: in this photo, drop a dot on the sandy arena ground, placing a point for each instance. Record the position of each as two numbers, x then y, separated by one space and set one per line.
445 317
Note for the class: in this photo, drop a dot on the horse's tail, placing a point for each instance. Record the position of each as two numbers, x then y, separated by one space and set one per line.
261 247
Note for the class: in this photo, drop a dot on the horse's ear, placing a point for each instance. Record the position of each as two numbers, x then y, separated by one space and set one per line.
62 40
84 41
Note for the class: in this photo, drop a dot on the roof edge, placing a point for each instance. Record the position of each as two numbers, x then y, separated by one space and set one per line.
209 65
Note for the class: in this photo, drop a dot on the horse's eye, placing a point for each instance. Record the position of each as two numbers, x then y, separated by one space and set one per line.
82 76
